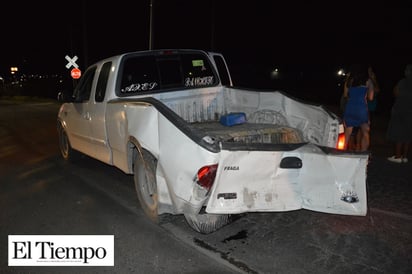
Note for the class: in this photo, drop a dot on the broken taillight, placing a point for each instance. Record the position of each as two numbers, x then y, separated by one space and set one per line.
206 176
341 141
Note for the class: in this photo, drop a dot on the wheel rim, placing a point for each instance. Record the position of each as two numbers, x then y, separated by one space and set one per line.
144 187
64 143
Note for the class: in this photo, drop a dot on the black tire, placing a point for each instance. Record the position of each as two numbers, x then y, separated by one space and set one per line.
207 223
67 152
144 170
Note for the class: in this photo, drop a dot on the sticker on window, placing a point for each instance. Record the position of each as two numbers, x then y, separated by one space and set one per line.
139 87
198 63
198 81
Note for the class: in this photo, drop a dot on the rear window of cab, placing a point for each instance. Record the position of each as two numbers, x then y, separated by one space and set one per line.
151 73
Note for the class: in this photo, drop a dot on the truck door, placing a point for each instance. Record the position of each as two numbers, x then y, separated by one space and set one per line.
78 116
97 112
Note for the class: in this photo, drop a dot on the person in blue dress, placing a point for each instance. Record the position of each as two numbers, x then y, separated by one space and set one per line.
358 90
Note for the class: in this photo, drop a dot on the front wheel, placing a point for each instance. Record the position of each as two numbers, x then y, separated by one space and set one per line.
67 152
145 183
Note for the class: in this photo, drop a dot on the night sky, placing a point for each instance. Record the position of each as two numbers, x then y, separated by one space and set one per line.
37 35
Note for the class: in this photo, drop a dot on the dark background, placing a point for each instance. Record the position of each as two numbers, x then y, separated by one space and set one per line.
308 41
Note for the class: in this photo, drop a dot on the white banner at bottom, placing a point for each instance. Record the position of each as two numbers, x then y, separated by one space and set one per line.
61 250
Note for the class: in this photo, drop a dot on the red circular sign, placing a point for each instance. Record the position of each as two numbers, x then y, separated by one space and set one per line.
76 73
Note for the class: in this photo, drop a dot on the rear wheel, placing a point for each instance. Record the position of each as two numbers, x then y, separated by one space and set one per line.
145 183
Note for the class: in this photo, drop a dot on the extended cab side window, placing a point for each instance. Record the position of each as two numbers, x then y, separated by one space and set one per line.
139 74
84 88
222 69
102 82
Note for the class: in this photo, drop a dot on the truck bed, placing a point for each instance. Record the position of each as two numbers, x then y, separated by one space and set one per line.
251 133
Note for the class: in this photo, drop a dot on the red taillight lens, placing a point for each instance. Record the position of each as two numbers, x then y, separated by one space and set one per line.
167 52
341 141
206 176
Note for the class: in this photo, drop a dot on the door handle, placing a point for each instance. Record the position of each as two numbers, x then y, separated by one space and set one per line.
87 116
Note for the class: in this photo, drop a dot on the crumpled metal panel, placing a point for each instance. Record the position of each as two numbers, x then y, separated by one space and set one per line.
328 183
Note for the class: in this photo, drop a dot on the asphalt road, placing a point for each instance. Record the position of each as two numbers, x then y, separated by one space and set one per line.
41 194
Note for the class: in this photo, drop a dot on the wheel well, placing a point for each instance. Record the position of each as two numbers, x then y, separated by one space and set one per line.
132 150
166 205
59 125
134 147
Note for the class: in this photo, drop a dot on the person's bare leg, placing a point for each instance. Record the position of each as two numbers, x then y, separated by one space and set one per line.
348 133
358 140
398 150
365 137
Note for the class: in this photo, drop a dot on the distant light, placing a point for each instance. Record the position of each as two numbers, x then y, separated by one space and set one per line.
275 73
13 70
341 72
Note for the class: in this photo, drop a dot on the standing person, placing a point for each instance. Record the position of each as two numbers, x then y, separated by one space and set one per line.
359 90
373 104
400 123
354 138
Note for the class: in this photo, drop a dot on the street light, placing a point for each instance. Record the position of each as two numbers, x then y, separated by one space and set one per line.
275 74
14 70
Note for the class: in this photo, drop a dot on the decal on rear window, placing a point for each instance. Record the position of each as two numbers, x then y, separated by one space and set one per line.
139 87
198 81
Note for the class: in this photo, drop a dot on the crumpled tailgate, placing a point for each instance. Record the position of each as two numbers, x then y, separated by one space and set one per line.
310 178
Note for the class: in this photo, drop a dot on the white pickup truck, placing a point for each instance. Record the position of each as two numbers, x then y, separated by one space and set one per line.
198 146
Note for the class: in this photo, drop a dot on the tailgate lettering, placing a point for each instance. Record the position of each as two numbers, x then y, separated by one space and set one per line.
231 168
